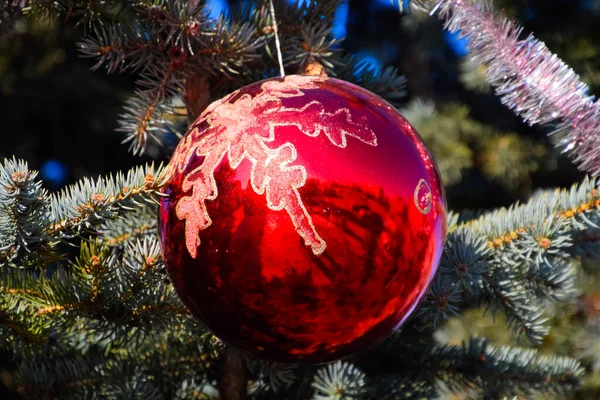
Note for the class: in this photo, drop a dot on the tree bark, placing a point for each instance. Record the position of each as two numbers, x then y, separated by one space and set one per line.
197 96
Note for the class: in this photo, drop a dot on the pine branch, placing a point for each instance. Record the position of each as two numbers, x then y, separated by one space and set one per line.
313 45
143 120
19 323
545 217
66 376
104 299
509 371
151 369
516 258
172 42
133 226
524 313
131 291
87 204
388 83
168 42
23 212
119 47
88 13
339 380
271 376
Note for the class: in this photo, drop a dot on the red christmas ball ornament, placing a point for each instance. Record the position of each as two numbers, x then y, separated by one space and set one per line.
304 219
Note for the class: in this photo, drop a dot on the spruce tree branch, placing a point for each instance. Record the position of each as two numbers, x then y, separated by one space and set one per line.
105 293
94 306
442 301
134 314
586 245
176 45
137 232
19 286
388 83
89 13
578 208
229 49
10 12
524 313
128 229
23 211
154 368
192 361
43 10
87 204
7 255
59 308
22 329
154 309
143 118
340 379
312 46
408 386
119 47
510 370
515 258
49 304
472 272
60 375
147 265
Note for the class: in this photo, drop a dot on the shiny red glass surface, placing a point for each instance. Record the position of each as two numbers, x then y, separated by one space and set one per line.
308 284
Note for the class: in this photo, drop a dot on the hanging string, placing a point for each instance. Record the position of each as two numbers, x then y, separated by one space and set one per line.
277 44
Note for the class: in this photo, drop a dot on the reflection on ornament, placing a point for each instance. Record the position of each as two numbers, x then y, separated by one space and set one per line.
304 219
422 197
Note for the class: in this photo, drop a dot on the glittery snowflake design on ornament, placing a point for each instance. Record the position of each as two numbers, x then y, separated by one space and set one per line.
243 129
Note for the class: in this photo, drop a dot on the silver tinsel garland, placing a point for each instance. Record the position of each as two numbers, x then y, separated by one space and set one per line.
531 80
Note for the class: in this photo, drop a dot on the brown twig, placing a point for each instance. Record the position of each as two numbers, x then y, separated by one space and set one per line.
233 376
197 96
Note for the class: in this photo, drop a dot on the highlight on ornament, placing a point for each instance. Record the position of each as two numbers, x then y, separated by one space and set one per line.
308 212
